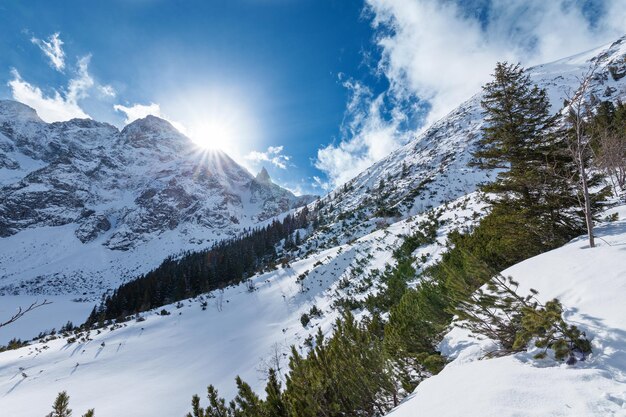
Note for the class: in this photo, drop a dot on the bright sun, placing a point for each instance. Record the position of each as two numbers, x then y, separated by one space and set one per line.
216 118
214 133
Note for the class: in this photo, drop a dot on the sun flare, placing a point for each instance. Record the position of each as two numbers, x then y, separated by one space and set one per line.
216 118
214 134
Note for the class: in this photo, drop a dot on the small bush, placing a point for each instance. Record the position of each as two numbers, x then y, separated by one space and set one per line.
305 319
502 315
315 312
546 327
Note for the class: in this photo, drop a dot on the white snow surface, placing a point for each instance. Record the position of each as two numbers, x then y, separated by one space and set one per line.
160 362
591 284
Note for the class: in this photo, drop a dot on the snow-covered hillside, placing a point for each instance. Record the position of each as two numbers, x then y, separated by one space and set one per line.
591 284
160 361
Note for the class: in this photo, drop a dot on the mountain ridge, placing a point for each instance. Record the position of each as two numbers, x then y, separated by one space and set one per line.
117 190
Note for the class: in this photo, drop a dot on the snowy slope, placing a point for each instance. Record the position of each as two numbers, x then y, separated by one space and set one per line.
591 284
160 362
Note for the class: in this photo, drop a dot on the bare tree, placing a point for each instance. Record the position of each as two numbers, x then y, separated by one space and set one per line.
611 157
273 361
579 144
21 311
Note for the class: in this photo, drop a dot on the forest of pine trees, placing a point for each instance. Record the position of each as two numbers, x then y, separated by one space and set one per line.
228 262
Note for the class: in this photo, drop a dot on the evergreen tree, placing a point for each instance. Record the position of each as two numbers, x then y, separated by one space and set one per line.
346 374
414 329
216 408
535 198
274 405
61 407
246 403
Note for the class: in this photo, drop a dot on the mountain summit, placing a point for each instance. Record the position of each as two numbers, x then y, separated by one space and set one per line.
263 177
106 204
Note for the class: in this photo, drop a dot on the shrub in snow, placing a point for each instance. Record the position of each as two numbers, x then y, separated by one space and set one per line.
547 328
305 319
61 408
499 313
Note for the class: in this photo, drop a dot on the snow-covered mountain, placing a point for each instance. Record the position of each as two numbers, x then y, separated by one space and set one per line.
83 205
432 168
160 361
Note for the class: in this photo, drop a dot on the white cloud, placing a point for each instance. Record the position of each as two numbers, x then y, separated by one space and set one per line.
367 137
79 86
61 104
107 90
53 49
274 155
138 111
54 108
319 183
439 52
296 190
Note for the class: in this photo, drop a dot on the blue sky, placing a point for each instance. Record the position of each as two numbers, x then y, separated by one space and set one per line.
276 61
315 90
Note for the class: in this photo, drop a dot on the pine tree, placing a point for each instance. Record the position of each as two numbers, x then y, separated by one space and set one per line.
535 197
246 403
413 330
61 407
274 404
216 408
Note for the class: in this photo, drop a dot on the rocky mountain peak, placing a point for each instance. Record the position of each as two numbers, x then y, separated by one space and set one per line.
129 199
151 122
263 176
14 111
153 131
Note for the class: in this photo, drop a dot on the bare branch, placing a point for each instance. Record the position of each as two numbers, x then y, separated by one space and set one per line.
22 311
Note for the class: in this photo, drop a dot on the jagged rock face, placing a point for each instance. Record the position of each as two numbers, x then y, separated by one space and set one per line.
262 187
122 189
90 165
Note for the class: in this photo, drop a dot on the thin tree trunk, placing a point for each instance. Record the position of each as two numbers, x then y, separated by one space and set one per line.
581 146
587 198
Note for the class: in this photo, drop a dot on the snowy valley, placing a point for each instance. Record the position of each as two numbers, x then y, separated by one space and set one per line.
85 207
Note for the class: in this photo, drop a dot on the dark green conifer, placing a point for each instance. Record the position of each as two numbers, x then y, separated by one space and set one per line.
61 407
274 404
